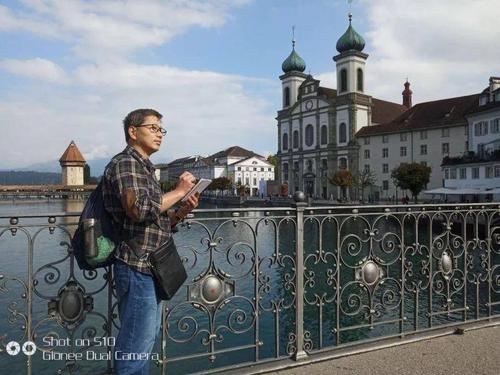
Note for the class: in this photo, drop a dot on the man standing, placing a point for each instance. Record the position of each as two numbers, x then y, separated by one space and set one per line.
133 196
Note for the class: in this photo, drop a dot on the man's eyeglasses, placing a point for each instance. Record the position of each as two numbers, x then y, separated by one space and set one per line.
153 128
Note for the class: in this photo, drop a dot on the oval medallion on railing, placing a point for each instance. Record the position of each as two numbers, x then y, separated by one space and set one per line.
211 289
370 272
71 305
446 263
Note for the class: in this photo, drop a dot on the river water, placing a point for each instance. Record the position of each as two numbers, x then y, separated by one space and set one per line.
232 258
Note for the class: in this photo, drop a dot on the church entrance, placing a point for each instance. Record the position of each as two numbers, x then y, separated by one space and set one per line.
309 184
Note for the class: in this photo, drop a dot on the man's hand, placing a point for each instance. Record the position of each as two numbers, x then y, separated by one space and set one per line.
185 183
192 202
189 205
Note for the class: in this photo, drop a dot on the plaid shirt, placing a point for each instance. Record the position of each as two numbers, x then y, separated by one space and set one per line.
128 173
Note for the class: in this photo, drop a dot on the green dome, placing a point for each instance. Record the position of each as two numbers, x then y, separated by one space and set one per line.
351 40
293 63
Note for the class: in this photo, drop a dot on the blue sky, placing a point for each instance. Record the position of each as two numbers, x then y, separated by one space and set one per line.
73 69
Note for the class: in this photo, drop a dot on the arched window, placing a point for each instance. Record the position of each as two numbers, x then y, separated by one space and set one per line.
360 79
295 139
343 80
285 141
343 133
286 97
285 172
342 163
309 135
324 135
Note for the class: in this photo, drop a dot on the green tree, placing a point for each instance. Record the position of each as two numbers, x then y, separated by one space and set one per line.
87 178
272 159
412 177
86 174
364 179
342 178
221 183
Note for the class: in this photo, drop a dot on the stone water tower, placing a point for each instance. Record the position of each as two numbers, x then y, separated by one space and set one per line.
72 164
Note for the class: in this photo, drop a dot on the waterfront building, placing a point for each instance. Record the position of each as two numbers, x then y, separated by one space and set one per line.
425 133
317 126
241 166
479 168
171 171
251 172
322 130
72 163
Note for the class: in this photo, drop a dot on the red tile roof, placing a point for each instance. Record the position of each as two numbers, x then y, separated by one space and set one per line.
384 111
72 154
445 112
235 151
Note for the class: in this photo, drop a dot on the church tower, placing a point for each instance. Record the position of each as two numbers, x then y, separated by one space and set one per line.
72 164
350 62
407 95
353 105
293 68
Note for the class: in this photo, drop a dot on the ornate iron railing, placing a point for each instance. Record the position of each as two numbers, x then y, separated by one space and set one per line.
264 284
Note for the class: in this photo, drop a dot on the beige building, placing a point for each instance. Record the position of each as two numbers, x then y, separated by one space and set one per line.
323 130
72 164
426 133
241 166
475 176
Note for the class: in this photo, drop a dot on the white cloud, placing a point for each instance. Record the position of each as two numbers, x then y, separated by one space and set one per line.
10 21
445 48
204 112
107 30
40 69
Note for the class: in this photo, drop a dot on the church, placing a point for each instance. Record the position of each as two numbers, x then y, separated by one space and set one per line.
317 125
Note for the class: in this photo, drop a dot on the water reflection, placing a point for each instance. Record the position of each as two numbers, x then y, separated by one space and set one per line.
365 276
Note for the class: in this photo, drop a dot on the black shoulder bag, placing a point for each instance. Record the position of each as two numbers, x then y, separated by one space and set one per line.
167 269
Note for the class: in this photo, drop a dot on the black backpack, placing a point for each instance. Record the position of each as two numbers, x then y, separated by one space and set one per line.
96 238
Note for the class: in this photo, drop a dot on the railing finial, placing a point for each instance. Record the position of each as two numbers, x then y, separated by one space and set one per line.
299 196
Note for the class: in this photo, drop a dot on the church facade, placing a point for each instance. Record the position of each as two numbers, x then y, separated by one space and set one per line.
317 126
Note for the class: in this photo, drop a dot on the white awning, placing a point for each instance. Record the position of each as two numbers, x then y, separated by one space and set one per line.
446 191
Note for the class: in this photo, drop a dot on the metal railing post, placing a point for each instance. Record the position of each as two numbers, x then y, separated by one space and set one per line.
299 205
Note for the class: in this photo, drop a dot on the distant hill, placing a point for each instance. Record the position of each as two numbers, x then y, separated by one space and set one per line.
29 178
52 167
96 166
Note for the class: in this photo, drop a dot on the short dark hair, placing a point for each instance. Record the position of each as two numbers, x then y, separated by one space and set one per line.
136 118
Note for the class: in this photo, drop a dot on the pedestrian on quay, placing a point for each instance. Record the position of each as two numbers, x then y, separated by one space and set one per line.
133 197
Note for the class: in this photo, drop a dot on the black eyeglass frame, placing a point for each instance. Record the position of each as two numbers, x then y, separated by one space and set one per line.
151 128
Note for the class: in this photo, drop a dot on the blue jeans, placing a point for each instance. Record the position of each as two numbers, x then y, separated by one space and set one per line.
139 310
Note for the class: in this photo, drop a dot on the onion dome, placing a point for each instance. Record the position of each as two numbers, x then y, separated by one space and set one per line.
351 40
293 62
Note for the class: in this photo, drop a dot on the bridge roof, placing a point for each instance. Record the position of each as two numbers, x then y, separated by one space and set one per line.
72 154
